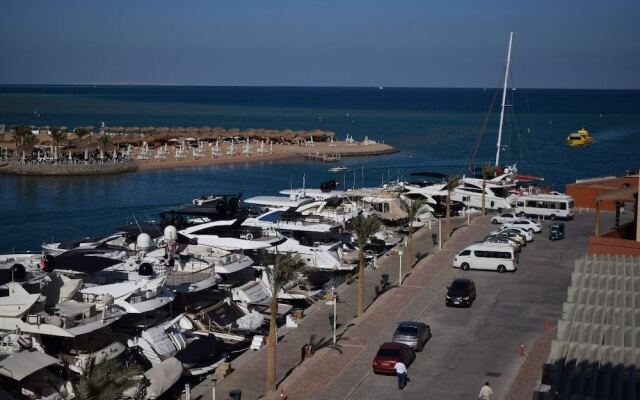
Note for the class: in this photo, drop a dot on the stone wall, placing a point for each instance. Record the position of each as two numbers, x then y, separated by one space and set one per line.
16 168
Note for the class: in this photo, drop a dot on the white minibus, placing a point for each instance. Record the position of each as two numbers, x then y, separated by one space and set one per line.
499 257
552 206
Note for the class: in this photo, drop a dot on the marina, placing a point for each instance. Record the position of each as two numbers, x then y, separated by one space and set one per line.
292 201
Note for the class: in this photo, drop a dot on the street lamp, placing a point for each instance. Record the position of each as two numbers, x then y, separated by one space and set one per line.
333 318
400 253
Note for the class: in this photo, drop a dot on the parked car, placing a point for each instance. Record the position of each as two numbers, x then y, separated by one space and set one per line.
389 354
528 236
506 217
504 240
516 237
556 231
412 333
528 225
461 292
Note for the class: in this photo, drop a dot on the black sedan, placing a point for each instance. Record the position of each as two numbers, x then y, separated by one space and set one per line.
462 292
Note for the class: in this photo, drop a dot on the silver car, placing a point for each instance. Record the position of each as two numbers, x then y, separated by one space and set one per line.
412 333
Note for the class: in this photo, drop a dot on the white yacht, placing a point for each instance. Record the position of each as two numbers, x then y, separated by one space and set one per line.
198 267
198 352
230 235
315 240
337 208
61 309
498 192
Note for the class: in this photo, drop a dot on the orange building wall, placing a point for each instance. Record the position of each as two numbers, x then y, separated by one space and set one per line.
605 245
584 193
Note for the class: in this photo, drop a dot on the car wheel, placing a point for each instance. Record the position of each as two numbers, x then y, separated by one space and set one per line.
465 266
521 214
502 269
530 230
494 221
552 217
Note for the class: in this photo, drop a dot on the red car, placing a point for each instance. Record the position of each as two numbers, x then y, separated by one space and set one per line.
390 353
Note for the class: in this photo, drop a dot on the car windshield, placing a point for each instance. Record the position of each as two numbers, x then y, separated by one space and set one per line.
407 330
390 353
459 285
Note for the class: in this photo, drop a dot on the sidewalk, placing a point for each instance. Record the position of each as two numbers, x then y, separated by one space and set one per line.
249 369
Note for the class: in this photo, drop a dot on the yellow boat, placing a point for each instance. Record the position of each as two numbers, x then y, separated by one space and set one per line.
580 138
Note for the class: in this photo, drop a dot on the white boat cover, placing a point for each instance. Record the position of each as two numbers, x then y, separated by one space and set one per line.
18 302
251 321
162 377
20 365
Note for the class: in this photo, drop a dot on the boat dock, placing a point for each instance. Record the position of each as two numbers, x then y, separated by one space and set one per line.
325 157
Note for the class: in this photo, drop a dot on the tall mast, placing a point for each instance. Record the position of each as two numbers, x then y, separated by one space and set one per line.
504 98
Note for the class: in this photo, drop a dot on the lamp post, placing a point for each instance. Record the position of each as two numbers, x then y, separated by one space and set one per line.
439 233
335 312
400 253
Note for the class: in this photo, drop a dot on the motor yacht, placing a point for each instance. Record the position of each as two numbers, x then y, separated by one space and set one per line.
198 352
315 239
59 309
232 234
498 192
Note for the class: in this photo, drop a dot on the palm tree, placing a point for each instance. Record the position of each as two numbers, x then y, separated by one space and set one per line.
81 132
413 209
106 381
20 132
57 135
488 170
364 228
452 183
284 269
103 142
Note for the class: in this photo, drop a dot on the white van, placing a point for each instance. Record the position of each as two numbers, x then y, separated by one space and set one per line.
499 257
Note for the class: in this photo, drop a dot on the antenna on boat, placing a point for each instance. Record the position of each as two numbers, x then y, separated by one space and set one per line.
136 221
504 97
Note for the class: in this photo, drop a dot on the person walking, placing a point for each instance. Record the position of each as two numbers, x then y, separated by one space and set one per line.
485 392
401 373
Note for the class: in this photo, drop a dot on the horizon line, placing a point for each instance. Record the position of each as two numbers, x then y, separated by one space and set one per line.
143 84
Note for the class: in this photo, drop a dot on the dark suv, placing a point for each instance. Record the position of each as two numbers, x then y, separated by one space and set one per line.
462 292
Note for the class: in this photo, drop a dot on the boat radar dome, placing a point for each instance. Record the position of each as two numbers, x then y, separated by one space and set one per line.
143 241
170 233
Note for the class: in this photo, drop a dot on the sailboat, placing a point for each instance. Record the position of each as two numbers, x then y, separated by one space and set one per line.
496 190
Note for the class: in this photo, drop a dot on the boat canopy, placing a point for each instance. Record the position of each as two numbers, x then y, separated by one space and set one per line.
20 365
277 201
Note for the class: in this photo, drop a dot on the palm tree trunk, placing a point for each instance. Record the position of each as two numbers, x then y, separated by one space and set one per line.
361 282
271 346
410 247
484 199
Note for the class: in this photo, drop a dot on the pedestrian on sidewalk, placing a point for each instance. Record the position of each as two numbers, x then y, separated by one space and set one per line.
485 392
401 373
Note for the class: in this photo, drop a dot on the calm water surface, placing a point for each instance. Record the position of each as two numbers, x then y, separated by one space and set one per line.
434 128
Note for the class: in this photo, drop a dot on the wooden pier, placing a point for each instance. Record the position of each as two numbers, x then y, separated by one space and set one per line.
326 157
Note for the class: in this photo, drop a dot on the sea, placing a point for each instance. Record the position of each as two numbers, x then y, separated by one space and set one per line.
434 130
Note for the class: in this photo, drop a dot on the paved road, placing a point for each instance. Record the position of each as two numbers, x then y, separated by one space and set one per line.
472 345
249 368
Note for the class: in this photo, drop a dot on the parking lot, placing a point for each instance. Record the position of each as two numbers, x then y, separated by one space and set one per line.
478 344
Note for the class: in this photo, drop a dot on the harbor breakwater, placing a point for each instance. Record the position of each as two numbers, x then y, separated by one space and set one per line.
48 169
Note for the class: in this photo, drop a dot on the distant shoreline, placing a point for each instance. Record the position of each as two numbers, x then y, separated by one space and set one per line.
278 152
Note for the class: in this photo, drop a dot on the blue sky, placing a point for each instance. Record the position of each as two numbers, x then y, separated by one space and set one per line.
460 43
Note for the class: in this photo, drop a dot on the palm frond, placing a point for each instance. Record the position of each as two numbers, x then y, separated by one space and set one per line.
364 228
414 208
106 381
